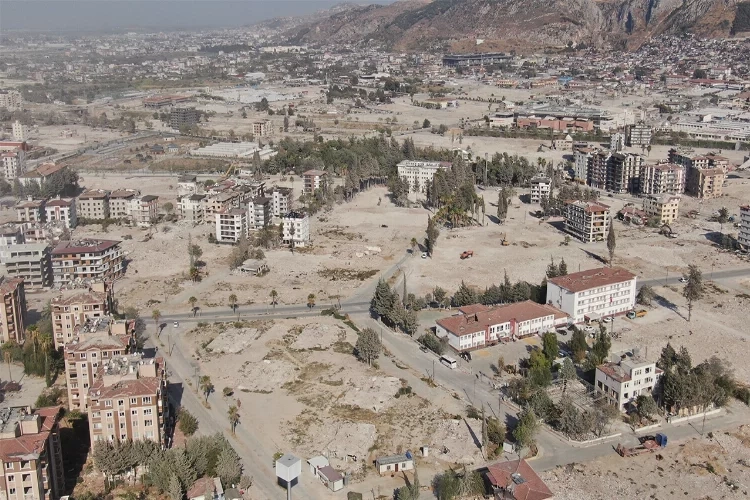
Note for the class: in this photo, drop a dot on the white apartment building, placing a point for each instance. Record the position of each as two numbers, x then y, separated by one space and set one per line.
10 99
662 178
540 188
20 131
664 207
744 234
622 382
280 201
296 227
231 225
192 208
13 164
63 210
418 174
582 162
587 220
617 142
30 210
258 213
144 210
593 294
93 205
30 261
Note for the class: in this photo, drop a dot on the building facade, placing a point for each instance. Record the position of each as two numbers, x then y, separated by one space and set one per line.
662 178
13 164
144 210
296 229
582 163
193 208
418 174
30 210
62 210
705 183
93 205
258 213
664 208
314 180
120 203
77 312
593 294
30 261
622 382
10 98
587 220
281 201
183 117
597 172
624 173
231 225
261 128
744 233
31 454
638 135
93 260
13 313
540 188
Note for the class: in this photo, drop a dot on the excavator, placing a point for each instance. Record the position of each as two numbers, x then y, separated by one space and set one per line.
666 230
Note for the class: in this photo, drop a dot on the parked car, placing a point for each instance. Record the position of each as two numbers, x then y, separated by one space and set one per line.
424 255
683 280
608 319
589 329
176 324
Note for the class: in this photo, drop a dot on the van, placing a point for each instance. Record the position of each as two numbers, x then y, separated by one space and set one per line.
449 362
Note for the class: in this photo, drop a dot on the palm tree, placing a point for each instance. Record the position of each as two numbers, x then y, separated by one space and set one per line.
414 245
234 417
206 386
192 301
274 296
311 300
156 316
233 302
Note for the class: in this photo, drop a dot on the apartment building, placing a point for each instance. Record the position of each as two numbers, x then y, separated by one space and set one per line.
540 187
93 205
281 201
13 164
192 208
477 326
587 220
13 313
30 210
231 225
129 400
582 163
617 142
29 261
187 184
10 99
262 128
11 234
87 259
705 183
638 135
623 381
593 294
183 117
688 159
120 203
144 210
744 233
258 213
84 355
664 207
624 173
62 210
597 172
31 454
20 131
76 313
314 180
662 178
296 229
419 174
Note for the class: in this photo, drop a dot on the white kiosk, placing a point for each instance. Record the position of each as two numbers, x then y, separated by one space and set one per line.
288 468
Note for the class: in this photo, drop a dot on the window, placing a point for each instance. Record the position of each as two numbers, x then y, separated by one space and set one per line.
11 477
147 400
120 402
110 426
148 423
24 464
108 403
93 354
147 411
133 401
109 414
83 355
12 491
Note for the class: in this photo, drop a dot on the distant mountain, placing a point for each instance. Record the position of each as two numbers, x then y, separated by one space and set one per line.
516 24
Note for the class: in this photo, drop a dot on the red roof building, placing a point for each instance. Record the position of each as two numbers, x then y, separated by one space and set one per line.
516 480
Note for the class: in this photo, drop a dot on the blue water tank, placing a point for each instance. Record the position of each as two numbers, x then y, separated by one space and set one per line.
661 440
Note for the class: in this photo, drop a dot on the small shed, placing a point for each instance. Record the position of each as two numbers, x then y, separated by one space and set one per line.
394 463
316 462
331 478
254 267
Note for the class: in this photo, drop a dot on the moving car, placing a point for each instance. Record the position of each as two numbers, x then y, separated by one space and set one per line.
176 324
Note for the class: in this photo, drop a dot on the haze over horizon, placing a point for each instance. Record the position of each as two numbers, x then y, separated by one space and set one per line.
123 15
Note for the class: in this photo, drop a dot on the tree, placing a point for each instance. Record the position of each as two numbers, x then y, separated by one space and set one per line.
233 302
693 290
274 298
540 369
550 347
192 301
439 295
187 422
382 300
464 296
611 243
432 343
410 323
562 268
414 245
645 295
206 386
228 466
578 344
567 373
195 251
525 430
168 207
426 123
646 406
723 217
311 300
286 123
700 74
368 346
432 235
485 435
156 316
600 349
175 488
234 418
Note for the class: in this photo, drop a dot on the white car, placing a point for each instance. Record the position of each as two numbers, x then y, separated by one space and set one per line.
608 319
589 329
683 280
424 255
176 324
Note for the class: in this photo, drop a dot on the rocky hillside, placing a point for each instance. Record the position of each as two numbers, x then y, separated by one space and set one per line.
517 24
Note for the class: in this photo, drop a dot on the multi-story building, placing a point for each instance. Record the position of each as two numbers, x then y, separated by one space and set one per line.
144 210
705 183
31 454
662 178
593 294
129 400
261 128
281 199
296 229
93 205
582 163
63 210
231 225
663 207
84 355
193 208
587 220
183 117
120 203
622 382
13 313
11 234
30 210
744 233
20 131
10 99
617 142
638 135
624 173
419 174
540 188
87 260
478 326
187 184
687 159
30 261
258 213
13 164
78 312
314 180
597 172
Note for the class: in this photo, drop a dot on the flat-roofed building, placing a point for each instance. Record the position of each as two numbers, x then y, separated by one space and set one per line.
62 210
705 183
664 207
281 199
13 312
314 180
13 164
231 225
144 210
662 178
296 229
30 261
258 213
540 188
87 259
192 208
120 202
76 313
744 233
624 173
587 220
624 380
419 174
30 210
93 205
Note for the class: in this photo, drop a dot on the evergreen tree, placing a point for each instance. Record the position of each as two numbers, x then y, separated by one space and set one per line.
694 289
464 296
432 235
175 488
562 268
229 466
552 271
611 243
368 346
382 300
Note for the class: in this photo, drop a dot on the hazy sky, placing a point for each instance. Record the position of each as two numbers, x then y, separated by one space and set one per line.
99 15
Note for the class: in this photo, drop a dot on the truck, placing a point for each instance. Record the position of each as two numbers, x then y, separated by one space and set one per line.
636 314
467 254
648 444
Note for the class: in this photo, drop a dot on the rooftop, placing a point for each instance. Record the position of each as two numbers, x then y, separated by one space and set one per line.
592 278
478 317
84 246
519 479
9 285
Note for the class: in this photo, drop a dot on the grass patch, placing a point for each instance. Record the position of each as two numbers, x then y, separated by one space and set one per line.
354 413
742 296
343 347
339 233
428 381
333 383
340 274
